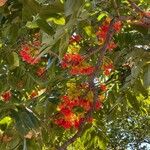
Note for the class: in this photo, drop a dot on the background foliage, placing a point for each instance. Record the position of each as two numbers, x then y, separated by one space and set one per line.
26 120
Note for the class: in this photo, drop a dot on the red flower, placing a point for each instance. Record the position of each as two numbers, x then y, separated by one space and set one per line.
103 31
117 26
103 87
75 38
98 105
75 71
66 124
63 123
26 55
90 119
66 111
87 70
64 64
77 123
69 117
65 98
33 94
71 59
82 71
111 46
107 69
6 96
85 104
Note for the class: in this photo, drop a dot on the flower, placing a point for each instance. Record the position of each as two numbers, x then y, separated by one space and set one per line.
111 46
75 38
33 94
87 70
71 60
63 123
101 98
78 122
103 87
28 54
102 33
107 69
66 111
117 26
82 70
98 105
6 95
71 117
40 71
103 30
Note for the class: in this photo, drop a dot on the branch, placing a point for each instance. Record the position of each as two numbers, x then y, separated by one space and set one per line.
98 66
137 9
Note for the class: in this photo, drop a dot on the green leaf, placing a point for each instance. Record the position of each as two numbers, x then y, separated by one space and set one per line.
89 31
13 60
51 10
139 87
13 32
45 26
59 21
32 25
133 101
30 8
102 15
72 6
6 120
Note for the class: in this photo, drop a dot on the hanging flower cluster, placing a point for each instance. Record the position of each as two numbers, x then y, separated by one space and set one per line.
102 32
74 61
29 51
72 111
73 106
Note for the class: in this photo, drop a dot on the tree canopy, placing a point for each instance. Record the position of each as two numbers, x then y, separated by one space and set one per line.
74 74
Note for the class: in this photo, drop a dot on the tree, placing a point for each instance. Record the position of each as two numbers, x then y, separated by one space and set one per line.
74 74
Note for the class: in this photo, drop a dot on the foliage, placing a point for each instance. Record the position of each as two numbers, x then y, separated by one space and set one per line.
74 74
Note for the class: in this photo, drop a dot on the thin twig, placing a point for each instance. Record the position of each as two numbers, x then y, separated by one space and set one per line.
137 9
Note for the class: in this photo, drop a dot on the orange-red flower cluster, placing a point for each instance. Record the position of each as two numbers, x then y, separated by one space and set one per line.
29 51
71 60
6 96
75 63
102 32
70 115
103 87
107 69
28 54
82 70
